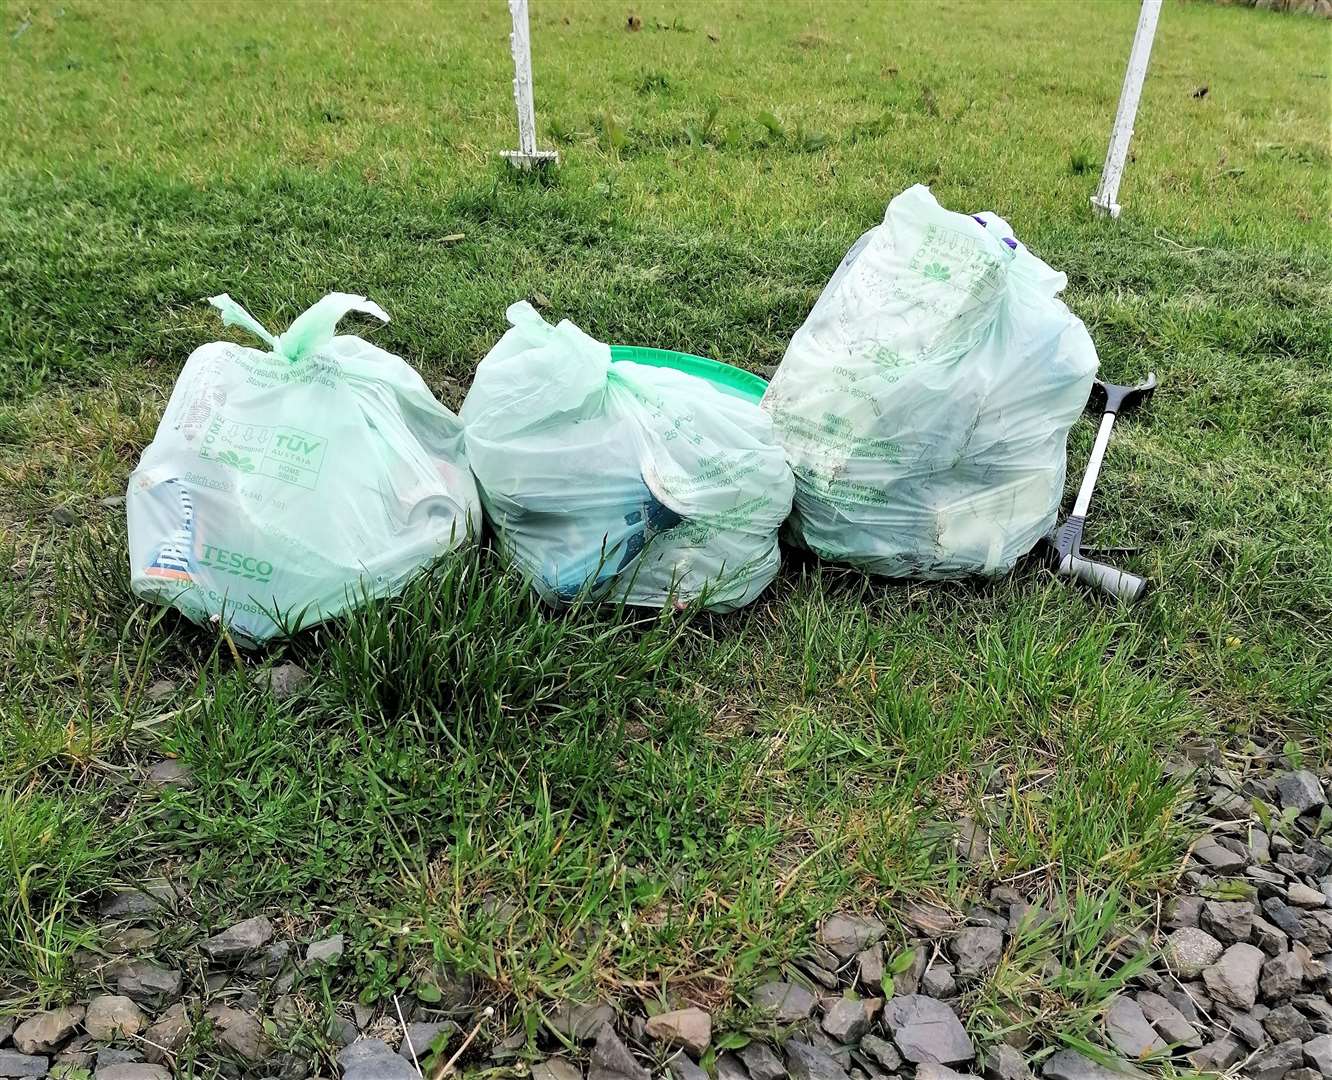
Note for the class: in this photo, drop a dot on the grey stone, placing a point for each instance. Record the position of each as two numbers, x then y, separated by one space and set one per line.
787 1003
1025 919
1183 911
128 939
239 940
908 981
327 951
690 1028
869 967
364 1050
728 1067
1260 847
1286 1022
1189 950
268 962
151 898
1191 999
1300 790
560 1068
928 919
160 690
1281 977
1170 1023
972 842
882 1051
931 1071
238 1031
1005 1063
149 984
980 915
806 1062
111 1056
1303 1074
938 981
1228 920
1129 1032
371 1059
820 975
926 1030
112 502
822 1041
281 680
6 1028
683 1067
1317 927
113 1016
1318 1008
581 1023
976 950
1303 896
1318 1054
1219 857
1287 918
1296 862
1233 979
168 773
845 1020
611 1059
1268 937
1247 1027
1070 1065
1229 805
761 1061
847 934
47 1031
16 1064
1274 1062
167 1034
422 1035
132 1070
1218 1055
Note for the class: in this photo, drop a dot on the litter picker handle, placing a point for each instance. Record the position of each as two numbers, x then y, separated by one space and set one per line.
1113 582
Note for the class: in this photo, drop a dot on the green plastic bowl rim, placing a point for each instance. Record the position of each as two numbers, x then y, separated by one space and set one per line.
726 377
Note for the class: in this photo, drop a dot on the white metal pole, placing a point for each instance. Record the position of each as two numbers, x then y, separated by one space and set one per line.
520 43
1117 154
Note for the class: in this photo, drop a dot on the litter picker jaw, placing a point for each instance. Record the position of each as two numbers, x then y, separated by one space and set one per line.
1066 541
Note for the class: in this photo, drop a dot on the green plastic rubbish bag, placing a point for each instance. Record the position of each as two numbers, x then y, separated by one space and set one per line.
285 485
926 401
621 479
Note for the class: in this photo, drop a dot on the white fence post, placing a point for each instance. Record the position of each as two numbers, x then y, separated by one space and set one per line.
520 43
1104 200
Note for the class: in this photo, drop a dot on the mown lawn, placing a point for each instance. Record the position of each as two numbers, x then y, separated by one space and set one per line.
605 801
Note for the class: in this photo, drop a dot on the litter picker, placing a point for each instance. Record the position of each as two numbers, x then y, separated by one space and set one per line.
1066 541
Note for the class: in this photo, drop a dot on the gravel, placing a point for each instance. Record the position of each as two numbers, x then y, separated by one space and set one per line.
926 1030
976 951
786 1003
845 934
1233 979
611 1059
239 941
47 1031
690 1028
807 1062
1128 1030
761 1061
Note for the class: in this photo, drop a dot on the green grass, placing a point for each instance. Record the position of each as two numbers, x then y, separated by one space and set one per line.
606 801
